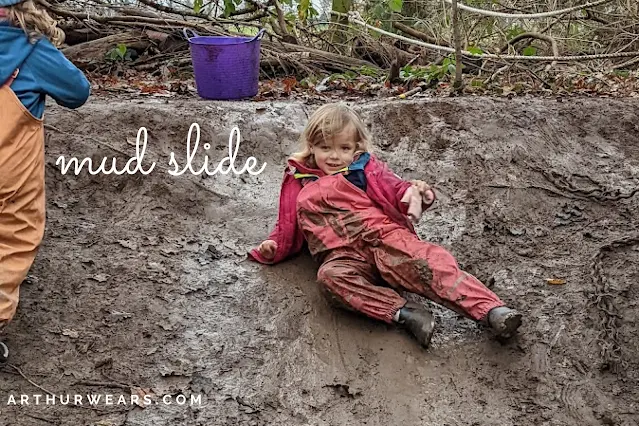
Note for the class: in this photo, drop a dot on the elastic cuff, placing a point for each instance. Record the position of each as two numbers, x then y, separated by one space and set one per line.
485 310
256 256
394 312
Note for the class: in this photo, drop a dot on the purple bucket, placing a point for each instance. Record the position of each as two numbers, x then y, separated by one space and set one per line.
225 67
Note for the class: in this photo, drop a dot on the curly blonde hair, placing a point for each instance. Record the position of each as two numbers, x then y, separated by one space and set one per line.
327 121
35 22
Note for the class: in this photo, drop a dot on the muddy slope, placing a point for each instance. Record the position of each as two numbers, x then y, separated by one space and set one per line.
142 280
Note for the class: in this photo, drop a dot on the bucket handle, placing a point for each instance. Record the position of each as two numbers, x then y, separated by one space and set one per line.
259 35
186 34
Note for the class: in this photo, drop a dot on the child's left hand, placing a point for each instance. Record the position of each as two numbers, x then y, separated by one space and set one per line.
425 190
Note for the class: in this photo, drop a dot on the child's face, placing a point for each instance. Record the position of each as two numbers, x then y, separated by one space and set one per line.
337 153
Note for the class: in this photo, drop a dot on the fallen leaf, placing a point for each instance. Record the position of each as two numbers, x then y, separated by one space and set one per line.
100 278
71 333
555 281
142 393
128 244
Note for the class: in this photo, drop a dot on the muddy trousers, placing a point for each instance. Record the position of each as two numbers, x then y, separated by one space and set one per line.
369 276
22 197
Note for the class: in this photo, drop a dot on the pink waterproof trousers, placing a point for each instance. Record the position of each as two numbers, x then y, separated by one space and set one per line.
367 259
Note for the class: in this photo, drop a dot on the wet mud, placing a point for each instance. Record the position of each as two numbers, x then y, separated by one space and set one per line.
142 284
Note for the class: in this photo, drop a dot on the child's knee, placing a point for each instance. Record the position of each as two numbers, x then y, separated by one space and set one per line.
441 259
326 273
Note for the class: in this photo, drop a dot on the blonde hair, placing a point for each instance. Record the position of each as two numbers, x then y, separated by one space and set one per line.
327 121
35 22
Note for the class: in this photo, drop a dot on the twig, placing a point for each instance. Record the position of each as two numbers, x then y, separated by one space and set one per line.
414 33
356 18
552 191
496 73
33 416
103 384
528 15
30 381
53 395
411 92
625 64
534 74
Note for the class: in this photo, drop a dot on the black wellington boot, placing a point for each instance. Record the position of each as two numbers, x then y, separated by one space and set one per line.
504 321
419 321
4 353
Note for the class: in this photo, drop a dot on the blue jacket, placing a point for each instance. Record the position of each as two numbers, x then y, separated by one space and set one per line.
44 70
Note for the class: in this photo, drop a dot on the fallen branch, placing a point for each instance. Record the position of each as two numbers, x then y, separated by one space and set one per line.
96 49
356 18
528 15
539 36
132 19
625 64
318 55
167 9
415 33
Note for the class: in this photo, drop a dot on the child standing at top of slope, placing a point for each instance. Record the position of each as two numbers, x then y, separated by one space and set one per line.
31 67
354 214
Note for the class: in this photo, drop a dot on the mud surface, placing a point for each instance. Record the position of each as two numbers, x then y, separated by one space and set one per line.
142 285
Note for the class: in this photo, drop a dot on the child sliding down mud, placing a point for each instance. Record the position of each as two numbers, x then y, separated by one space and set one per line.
355 215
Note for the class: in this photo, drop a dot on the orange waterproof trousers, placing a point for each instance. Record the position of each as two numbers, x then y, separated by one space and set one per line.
22 199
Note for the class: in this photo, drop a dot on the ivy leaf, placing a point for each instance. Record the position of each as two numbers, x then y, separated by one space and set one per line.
475 50
530 51
395 5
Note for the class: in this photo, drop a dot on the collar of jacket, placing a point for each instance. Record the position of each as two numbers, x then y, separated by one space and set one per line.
300 171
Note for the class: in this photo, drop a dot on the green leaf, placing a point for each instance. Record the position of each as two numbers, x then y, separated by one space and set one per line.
514 31
197 5
622 73
229 7
451 69
369 71
530 51
121 50
302 9
475 50
395 5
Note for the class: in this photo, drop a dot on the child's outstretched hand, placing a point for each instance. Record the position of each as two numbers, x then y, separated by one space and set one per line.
268 249
425 190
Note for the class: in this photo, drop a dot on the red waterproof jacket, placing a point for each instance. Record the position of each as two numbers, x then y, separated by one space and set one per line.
382 185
